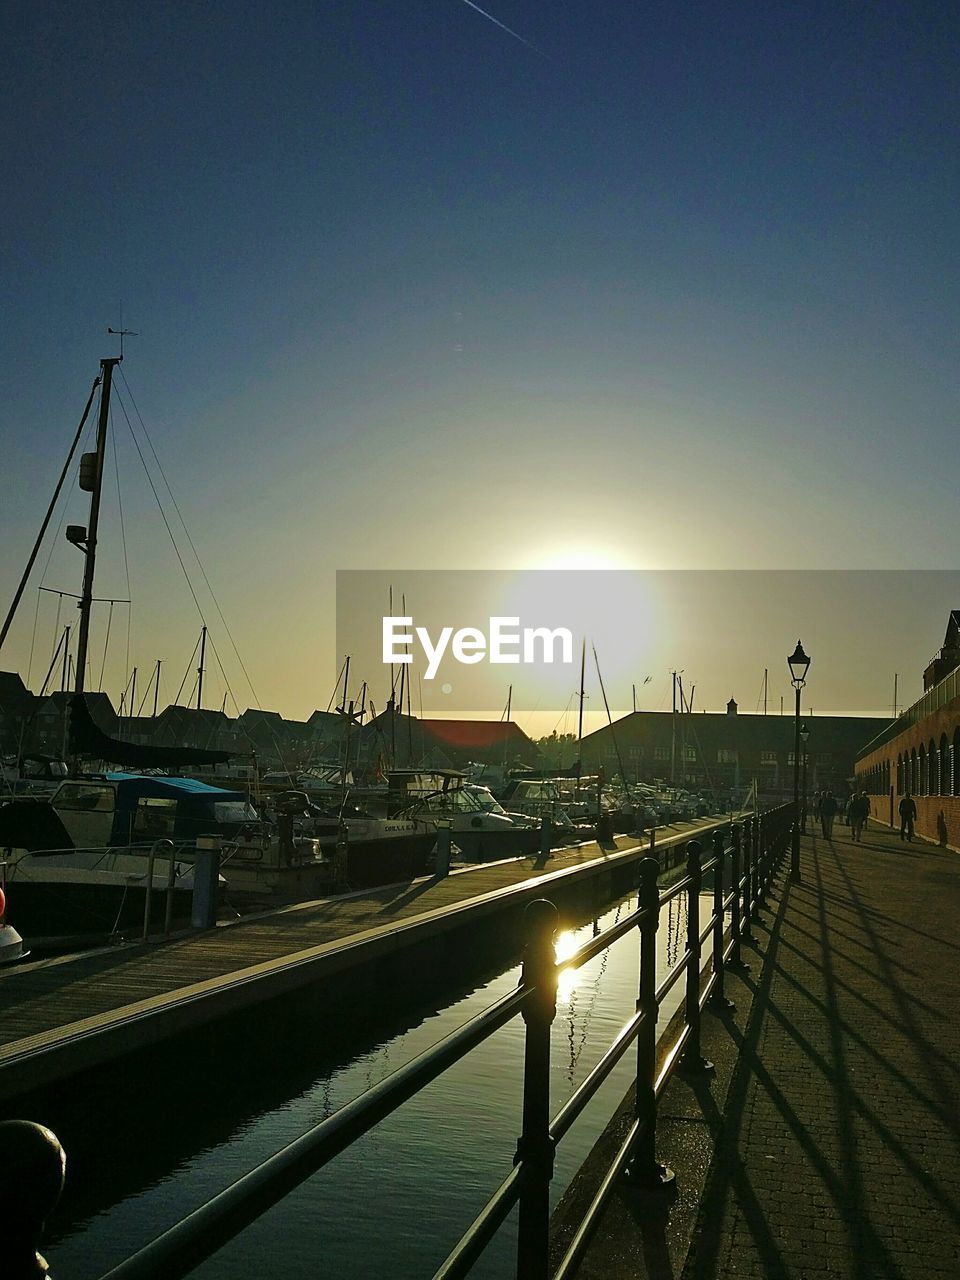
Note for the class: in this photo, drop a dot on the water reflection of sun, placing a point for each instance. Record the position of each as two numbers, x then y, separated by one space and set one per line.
564 946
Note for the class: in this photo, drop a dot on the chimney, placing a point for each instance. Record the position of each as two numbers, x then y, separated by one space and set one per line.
732 707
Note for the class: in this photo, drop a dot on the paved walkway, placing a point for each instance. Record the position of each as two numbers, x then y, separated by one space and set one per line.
839 1153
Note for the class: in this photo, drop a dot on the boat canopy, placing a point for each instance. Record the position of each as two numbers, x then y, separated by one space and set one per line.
87 738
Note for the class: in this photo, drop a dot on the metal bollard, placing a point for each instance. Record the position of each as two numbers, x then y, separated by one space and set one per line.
644 1169
546 835
535 1146
693 1059
736 960
717 998
32 1166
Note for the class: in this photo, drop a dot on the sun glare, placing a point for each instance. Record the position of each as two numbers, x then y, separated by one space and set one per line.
564 946
592 556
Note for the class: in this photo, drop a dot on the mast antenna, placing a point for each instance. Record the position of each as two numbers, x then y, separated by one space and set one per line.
121 334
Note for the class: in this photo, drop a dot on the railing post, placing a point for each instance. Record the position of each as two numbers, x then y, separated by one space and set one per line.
745 914
736 960
535 1147
652 851
171 881
148 895
760 862
718 999
693 1059
644 1169
32 1164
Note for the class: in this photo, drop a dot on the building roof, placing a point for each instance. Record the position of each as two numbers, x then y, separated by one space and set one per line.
475 735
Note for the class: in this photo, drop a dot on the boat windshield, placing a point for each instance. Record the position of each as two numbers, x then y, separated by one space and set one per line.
230 813
485 800
455 801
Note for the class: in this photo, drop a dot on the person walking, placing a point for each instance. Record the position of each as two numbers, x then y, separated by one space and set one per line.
859 809
828 811
908 815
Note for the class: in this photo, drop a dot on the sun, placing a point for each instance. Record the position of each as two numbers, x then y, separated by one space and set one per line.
579 556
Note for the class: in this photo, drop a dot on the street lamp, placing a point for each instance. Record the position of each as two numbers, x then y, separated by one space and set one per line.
799 665
804 738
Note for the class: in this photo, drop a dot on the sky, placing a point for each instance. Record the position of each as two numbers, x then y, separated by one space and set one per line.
651 287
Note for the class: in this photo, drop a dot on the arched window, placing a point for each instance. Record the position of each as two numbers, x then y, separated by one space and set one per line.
922 763
943 759
914 786
933 771
956 761
899 775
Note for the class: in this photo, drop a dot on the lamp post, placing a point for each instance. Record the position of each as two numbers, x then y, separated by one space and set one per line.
799 665
804 739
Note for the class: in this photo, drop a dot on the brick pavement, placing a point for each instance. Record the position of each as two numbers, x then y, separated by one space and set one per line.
839 1151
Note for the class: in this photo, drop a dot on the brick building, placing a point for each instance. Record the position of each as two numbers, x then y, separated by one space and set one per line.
919 753
727 751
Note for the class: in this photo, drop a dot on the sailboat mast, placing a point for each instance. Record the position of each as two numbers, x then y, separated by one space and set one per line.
203 651
673 733
90 542
583 672
65 675
156 690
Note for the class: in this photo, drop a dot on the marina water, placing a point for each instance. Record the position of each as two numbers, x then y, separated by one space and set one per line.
396 1201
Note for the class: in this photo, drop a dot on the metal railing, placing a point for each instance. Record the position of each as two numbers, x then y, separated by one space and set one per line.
942 693
743 860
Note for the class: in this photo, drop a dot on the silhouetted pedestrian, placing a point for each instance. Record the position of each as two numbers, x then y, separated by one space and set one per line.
908 815
828 811
859 811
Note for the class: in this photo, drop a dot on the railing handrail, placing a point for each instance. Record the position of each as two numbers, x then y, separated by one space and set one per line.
182 1247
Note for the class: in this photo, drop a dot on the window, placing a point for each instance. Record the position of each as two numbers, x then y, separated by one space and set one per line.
661 753
768 757
155 818
83 798
727 755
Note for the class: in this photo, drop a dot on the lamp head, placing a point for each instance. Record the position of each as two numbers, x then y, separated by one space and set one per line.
799 664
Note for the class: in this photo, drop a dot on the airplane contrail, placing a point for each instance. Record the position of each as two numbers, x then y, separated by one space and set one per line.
503 27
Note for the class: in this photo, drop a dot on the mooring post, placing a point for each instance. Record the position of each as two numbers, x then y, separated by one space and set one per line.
718 999
693 1059
546 835
736 960
442 864
644 1169
535 1146
32 1166
206 878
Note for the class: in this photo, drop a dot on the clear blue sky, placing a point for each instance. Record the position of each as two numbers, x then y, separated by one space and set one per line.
677 287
